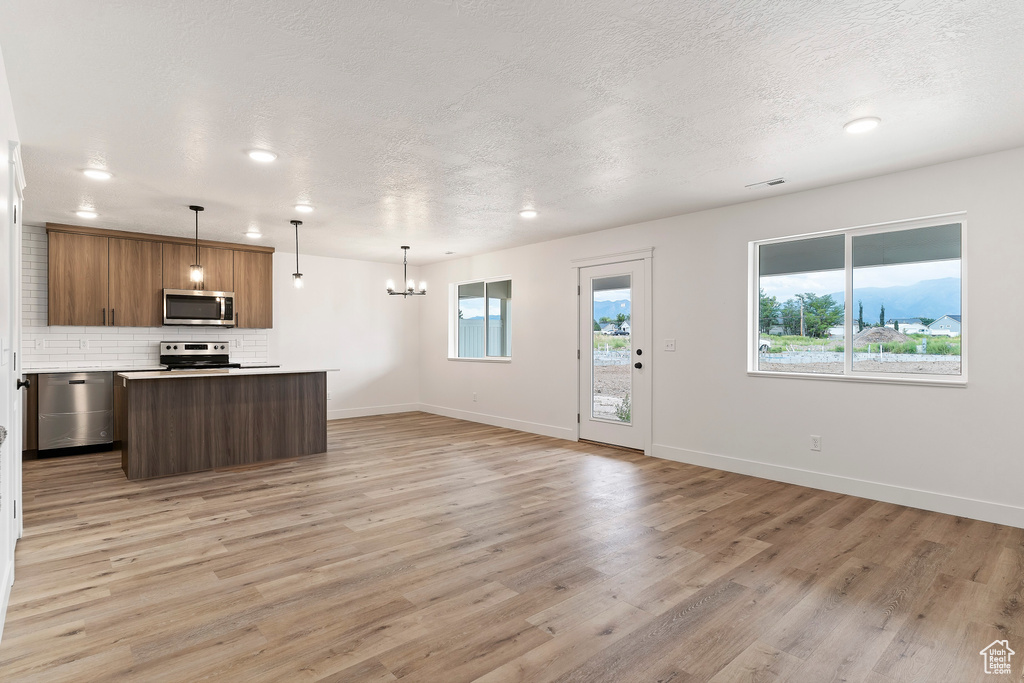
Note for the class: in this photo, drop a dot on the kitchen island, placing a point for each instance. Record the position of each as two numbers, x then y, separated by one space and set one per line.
193 420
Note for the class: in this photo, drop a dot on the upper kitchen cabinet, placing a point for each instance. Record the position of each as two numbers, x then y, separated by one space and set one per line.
108 277
77 279
136 286
218 268
254 289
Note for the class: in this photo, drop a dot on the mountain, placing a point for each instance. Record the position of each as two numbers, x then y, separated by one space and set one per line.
929 298
610 309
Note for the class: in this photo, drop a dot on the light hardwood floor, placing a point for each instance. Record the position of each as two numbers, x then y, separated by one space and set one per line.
422 548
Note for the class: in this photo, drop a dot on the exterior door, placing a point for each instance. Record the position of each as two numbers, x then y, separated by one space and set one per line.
614 391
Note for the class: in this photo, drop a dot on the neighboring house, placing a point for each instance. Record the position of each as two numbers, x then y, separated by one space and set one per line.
609 328
908 325
624 327
776 329
838 332
947 325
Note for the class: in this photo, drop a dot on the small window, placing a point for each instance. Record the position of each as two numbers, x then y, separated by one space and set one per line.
482 326
865 303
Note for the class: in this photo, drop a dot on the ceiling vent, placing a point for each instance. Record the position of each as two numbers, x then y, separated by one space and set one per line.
766 183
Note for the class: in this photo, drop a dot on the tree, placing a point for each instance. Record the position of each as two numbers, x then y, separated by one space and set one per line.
770 309
621 318
927 321
860 316
881 317
896 325
789 313
605 320
820 314
597 328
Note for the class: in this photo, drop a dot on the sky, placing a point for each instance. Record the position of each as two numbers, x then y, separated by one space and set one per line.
474 308
784 287
611 295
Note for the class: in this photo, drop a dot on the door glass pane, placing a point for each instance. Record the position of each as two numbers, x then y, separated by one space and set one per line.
906 298
499 311
471 320
612 385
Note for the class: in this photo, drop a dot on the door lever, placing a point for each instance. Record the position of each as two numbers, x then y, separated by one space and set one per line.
24 383
638 365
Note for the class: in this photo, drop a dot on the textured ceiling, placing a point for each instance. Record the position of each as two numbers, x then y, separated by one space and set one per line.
433 123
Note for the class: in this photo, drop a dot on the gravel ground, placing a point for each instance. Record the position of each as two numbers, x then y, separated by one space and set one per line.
611 384
930 368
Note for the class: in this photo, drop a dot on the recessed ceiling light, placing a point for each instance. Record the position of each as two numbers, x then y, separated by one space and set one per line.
254 234
97 173
862 125
264 156
86 213
528 213
304 208
448 253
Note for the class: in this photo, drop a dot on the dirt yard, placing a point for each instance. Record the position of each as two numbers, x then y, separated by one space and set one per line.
611 385
928 368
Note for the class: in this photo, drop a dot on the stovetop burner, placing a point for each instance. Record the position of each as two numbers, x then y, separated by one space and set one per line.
196 355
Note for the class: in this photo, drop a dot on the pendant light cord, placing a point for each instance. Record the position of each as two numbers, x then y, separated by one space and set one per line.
296 247
197 239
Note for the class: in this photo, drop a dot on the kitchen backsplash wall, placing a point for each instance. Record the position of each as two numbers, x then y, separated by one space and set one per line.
48 347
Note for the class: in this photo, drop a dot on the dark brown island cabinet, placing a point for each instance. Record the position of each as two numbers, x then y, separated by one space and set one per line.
179 422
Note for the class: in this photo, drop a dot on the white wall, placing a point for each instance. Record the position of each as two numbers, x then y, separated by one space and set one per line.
10 450
707 410
343 318
108 347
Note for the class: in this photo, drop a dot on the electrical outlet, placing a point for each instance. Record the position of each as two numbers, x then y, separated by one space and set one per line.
474 397
815 443
237 343
83 343
670 345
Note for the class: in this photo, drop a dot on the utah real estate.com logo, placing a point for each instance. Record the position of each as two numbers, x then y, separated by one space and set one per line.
997 657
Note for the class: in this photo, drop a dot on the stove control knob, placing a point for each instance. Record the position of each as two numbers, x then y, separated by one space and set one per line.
175 347
168 347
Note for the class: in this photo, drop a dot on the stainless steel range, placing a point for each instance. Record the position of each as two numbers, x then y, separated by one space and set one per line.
178 355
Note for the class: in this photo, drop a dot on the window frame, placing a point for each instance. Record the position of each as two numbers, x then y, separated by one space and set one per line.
851 375
453 322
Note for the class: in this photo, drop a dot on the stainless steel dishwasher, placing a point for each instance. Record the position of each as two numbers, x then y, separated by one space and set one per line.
75 409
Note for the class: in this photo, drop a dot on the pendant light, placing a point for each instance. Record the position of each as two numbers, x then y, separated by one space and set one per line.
410 286
297 276
195 271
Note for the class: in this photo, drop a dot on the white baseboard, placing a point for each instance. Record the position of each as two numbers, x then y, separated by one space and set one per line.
7 579
372 410
987 511
496 421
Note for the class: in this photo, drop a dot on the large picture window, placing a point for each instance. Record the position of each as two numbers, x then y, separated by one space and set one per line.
880 302
483 314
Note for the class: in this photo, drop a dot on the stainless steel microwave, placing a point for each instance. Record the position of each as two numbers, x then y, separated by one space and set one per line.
199 307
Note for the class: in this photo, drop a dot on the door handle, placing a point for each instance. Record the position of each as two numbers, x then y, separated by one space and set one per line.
24 383
638 365
104 316
112 317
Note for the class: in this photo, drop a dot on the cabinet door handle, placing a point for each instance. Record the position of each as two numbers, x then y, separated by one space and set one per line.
236 319
112 316
104 316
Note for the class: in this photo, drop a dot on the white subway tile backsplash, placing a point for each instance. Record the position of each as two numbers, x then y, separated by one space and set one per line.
108 346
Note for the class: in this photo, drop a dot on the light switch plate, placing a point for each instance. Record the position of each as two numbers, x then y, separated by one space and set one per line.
670 345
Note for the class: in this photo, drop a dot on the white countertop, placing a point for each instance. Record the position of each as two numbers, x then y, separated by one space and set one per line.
91 368
226 372
114 368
